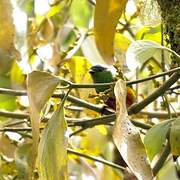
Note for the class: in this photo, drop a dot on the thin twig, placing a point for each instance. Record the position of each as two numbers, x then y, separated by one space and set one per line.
103 161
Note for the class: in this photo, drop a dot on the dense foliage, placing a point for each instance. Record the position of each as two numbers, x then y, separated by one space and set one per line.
56 122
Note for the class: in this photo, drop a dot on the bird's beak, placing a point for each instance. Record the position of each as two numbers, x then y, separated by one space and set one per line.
91 71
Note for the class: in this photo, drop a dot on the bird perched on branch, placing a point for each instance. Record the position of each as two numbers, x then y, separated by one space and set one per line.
101 74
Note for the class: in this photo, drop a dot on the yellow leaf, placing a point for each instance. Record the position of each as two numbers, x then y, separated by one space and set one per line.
6 24
107 14
93 142
40 86
121 42
102 129
78 67
127 137
7 29
52 152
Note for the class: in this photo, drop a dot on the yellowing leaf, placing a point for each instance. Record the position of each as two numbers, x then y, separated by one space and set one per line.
6 24
93 142
175 137
121 42
61 8
17 76
40 86
7 29
52 152
107 14
79 67
127 138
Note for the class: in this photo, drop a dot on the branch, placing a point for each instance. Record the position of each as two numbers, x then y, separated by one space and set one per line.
137 107
162 159
153 76
98 108
83 123
103 161
154 114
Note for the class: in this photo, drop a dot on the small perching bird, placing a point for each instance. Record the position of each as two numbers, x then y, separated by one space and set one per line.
102 74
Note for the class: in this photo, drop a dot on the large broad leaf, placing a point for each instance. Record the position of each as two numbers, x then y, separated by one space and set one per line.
107 14
40 86
142 50
155 138
127 137
175 137
52 152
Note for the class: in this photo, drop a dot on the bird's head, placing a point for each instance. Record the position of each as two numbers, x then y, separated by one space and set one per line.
101 74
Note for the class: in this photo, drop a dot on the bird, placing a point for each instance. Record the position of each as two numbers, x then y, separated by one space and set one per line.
102 74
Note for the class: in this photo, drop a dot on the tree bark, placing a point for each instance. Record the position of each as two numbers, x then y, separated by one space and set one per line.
170 12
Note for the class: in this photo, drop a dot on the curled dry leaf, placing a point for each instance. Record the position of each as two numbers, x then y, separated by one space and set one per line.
40 86
127 137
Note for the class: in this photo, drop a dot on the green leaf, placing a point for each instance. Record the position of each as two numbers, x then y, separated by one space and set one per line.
7 102
149 33
79 7
17 76
62 7
168 171
142 50
107 14
52 152
175 137
23 160
155 138
27 6
40 86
